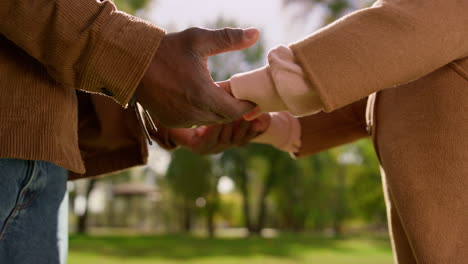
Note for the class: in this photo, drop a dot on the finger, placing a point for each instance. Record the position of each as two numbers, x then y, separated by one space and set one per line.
240 133
227 106
262 123
203 117
182 136
227 39
254 114
200 131
208 140
224 140
226 135
251 134
226 85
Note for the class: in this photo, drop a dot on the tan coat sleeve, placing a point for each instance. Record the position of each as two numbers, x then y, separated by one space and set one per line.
84 44
326 130
389 44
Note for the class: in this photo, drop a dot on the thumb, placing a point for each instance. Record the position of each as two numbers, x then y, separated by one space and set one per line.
229 39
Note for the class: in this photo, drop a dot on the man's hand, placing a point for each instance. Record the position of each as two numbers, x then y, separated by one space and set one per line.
256 112
177 88
217 138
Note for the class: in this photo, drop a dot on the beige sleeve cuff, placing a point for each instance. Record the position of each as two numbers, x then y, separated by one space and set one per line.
258 87
120 56
284 133
280 86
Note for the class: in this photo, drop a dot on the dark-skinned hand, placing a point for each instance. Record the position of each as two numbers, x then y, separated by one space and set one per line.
217 138
177 88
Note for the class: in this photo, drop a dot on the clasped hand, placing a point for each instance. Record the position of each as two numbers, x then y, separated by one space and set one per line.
179 92
177 88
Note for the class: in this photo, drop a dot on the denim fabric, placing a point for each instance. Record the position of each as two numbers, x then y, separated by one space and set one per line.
30 196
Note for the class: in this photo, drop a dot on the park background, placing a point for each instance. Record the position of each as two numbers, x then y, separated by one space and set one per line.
246 205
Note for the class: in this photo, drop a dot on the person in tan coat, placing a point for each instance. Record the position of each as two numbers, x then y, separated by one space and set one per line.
397 72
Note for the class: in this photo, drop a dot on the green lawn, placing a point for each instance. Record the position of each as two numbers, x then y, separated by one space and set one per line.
194 250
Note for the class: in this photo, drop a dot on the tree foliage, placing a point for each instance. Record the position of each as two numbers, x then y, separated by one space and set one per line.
131 6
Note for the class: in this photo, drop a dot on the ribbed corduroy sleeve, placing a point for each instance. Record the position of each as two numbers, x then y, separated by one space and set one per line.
389 44
84 44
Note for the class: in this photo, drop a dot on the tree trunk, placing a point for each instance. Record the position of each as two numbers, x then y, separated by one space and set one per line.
210 223
187 212
261 212
245 203
82 227
340 206
269 182
212 206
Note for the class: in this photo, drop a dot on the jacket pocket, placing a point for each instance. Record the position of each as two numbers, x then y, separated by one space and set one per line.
20 197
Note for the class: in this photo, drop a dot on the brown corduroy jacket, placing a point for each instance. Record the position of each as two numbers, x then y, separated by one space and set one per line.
50 50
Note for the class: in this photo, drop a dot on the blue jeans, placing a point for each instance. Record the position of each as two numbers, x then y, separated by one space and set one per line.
31 193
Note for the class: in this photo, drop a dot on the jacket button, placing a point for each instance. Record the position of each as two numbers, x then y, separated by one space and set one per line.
106 92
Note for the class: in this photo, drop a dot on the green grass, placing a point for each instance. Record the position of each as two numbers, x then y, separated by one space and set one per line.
287 249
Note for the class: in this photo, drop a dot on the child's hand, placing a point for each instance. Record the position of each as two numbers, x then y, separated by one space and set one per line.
257 112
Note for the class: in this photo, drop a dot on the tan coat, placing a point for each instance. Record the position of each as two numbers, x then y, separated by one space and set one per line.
413 52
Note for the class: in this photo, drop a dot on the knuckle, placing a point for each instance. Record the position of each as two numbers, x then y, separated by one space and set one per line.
232 114
194 35
237 113
224 37
193 32
229 119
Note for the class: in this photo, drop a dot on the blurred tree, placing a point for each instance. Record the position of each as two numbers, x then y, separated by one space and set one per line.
82 223
365 188
335 8
321 168
264 163
303 194
234 164
212 197
131 6
278 164
190 177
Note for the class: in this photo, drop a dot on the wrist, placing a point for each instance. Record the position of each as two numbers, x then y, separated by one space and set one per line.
163 136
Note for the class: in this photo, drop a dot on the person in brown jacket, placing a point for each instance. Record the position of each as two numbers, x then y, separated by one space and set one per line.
68 71
397 72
